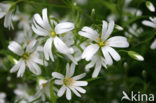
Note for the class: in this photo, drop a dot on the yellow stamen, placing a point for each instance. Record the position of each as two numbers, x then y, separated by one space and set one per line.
63 34
25 56
44 84
28 42
101 43
53 34
68 81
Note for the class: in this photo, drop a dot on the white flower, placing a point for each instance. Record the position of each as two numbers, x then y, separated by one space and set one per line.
150 6
97 61
5 11
43 89
69 41
23 94
24 37
2 97
151 23
153 45
133 30
29 58
103 42
130 10
70 83
24 20
43 27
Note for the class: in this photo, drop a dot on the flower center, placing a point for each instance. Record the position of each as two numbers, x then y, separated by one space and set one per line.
25 56
27 42
44 85
101 43
53 34
68 81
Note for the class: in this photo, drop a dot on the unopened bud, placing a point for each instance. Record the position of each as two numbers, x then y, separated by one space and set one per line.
93 13
118 27
135 56
144 73
150 6
75 4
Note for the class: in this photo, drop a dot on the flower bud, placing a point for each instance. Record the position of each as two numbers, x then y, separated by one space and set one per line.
135 56
150 6
93 13
118 27
144 73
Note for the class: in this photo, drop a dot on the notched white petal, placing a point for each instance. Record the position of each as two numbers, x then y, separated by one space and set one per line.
16 48
64 27
57 75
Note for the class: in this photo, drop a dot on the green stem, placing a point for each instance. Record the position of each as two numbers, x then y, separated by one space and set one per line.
52 96
92 79
123 51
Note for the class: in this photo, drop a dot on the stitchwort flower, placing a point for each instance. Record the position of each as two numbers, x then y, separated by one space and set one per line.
43 27
7 13
29 57
151 23
102 43
70 83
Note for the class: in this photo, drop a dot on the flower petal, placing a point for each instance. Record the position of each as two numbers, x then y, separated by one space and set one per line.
64 27
67 69
39 61
90 51
57 75
16 66
16 48
109 30
61 91
107 56
21 69
44 23
91 64
2 14
75 92
149 23
153 45
118 41
8 20
97 69
114 54
80 83
71 58
89 33
68 94
104 28
32 46
81 90
62 47
58 82
72 69
38 30
78 77
45 19
47 49
33 67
